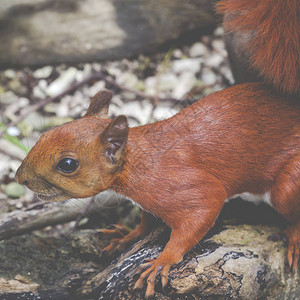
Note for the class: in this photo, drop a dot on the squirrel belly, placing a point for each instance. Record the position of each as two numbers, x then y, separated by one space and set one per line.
254 198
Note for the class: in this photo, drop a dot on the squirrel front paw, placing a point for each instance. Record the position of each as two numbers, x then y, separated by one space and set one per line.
293 234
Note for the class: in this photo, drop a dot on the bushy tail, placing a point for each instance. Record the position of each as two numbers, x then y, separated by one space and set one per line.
274 46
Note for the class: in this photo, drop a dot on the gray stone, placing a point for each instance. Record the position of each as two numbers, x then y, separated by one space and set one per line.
14 189
42 32
215 60
62 82
44 72
8 97
188 64
13 131
198 49
10 73
208 76
185 83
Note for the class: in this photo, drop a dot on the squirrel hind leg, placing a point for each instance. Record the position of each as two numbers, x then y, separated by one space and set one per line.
125 235
285 198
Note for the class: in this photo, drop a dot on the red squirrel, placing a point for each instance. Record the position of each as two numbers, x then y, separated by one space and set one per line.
243 139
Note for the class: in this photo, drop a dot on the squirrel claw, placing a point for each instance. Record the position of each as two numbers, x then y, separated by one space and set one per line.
293 257
293 234
154 269
114 230
164 276
142 267
120 243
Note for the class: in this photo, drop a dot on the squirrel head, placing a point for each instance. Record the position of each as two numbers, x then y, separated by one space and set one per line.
78 159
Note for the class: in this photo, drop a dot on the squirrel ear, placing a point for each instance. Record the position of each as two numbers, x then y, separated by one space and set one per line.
99 104
114 138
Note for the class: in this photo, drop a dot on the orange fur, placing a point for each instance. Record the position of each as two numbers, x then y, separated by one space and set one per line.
273 45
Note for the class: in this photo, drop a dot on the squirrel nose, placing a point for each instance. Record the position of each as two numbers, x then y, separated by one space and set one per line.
19 178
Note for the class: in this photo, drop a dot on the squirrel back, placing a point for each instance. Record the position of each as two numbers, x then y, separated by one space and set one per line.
267 34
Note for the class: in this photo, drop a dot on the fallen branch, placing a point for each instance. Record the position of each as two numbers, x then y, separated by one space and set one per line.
19 222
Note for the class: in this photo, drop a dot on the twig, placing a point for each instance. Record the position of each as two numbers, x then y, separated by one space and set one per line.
41 215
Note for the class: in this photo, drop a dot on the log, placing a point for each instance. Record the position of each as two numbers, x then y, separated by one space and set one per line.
40 32
235 262
239 262
45 214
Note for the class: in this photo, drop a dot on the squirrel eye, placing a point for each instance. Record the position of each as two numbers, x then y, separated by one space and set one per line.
67 165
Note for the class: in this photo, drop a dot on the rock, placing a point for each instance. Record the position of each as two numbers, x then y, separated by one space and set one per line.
62 82
219 47
139 112
13 131
177 53
8 97
214 60
36 33
127 79
166 82
10 73
43 72
95 88
16 86
208 76
185 83
2 89
16 105
62 110
33 121
87 70
219 31
198 49
163 112
14 190
150 84
188 64
39 90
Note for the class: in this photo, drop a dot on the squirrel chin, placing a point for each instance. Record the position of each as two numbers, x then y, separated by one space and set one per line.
54 197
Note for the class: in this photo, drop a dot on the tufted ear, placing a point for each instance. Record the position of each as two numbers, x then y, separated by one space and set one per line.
114 139
99 104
